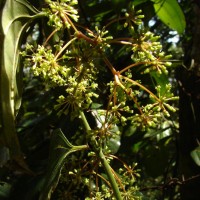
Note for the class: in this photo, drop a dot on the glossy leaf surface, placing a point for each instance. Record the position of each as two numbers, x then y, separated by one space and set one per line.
16 15
171 14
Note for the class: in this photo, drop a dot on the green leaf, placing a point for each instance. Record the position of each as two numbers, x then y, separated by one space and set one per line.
171 14
160 79
28 5
16 17
195 154
60 148
5 190
138 2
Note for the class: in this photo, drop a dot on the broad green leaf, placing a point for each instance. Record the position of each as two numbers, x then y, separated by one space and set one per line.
196 155
60 148
28 5
16 16
171 14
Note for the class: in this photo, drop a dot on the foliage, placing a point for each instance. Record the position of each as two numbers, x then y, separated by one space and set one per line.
171 14
13 24
102 78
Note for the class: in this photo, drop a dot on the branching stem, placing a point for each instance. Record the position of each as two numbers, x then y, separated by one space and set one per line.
133 65
104 162
60 52
142 87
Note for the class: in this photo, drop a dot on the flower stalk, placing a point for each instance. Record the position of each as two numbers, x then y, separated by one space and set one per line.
104 162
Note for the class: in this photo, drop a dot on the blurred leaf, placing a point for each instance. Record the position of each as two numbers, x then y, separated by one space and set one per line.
5 190
138 2
171 14
96 105
130 130
98 10
60 148
4 156
160 79
153 155
118 4
114 141
196 155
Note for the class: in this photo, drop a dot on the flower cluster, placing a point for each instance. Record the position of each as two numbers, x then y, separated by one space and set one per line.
75 64
79 95
46 66
147 48
59 13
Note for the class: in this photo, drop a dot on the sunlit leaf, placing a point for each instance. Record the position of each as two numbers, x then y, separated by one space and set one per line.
15 18
161 80
171 14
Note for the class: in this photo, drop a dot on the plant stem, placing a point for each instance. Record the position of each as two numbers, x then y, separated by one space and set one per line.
104 162
66 45
141 86
85 122
110 175
133 65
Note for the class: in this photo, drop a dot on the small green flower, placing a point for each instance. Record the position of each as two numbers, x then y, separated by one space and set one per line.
58 13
